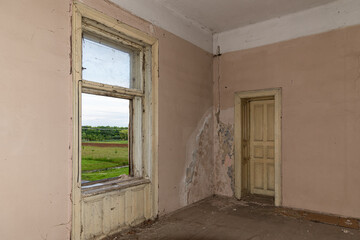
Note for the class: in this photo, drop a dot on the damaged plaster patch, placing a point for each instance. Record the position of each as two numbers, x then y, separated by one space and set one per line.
226 139
190 170
198 180
224 154
230 173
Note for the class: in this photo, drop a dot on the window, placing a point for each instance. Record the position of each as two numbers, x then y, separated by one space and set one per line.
115 82
107 118
115 106
105 137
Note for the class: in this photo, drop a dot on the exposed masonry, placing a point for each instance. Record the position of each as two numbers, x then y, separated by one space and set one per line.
198 181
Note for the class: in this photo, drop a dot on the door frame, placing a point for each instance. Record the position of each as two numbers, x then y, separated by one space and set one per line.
242 98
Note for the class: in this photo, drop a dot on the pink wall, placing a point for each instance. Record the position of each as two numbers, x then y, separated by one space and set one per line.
36 126
319 76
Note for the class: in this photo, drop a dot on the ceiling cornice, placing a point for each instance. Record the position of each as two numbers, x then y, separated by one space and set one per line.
338 14
170 21
327 17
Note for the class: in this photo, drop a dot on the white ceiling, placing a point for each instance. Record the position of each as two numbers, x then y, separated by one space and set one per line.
223 15
241 24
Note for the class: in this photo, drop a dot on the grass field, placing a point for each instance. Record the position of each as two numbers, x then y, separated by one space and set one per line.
100 158
105 174
121 142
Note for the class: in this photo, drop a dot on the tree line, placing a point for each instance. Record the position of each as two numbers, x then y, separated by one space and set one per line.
104 133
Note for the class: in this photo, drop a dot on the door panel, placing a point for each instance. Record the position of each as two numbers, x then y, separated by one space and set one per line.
262 171
258 122
270 177
270 121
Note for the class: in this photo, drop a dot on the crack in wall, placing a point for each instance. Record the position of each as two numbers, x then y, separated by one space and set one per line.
224 140
217 113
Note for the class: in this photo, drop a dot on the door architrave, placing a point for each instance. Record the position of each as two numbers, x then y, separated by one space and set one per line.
242 98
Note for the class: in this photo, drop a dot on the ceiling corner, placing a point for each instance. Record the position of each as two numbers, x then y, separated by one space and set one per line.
170 21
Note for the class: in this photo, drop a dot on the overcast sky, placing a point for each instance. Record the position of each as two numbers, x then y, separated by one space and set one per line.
110 66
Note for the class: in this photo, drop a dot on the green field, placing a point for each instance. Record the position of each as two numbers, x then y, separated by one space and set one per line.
100 159
105 174
109 141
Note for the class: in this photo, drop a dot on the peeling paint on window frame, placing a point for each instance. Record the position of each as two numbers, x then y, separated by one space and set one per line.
86 19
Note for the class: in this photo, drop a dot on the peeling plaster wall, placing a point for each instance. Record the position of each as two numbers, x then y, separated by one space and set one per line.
320 80
36 111
224 156
223 139
199 161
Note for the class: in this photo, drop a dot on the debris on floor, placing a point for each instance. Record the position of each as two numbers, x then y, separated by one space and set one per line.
227 218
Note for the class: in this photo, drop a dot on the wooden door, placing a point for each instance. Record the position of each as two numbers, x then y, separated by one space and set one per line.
262 147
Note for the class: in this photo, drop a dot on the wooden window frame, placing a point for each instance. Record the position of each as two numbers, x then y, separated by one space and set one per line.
144 100
135 94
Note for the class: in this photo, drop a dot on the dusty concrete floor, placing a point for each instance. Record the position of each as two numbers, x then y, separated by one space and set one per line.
225 218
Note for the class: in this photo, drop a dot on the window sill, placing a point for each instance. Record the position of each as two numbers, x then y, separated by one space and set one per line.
108 185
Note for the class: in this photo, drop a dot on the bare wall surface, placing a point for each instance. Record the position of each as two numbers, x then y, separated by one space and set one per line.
35 125
320 80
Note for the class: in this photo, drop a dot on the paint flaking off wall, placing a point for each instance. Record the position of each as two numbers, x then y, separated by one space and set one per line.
198 177
224 159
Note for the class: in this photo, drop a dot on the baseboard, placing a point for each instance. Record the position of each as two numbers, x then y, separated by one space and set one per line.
320 217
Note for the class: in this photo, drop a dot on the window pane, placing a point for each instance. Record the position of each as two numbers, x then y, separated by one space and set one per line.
105 125
105 64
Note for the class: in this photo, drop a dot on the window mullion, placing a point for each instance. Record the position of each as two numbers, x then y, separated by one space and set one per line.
88 26
137 142
110 90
